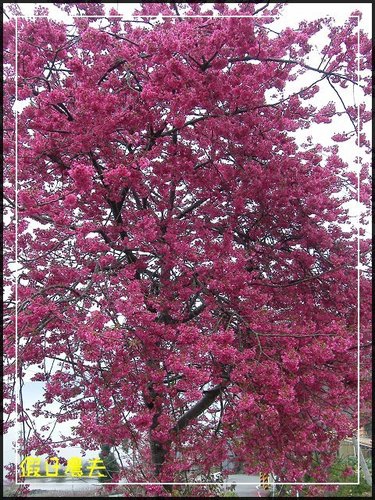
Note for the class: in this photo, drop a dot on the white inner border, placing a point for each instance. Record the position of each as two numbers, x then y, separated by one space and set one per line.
16 250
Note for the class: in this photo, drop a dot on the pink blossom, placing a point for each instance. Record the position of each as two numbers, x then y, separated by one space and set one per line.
187 277
70 201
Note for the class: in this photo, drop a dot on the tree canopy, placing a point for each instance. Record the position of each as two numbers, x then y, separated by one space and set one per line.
187 269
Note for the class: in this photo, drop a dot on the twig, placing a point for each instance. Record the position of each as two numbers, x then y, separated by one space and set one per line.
291 61
175 8
343 104
261 8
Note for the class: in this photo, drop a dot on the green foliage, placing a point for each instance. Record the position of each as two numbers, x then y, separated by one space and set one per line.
110 462
339 472
14 490
229 493
336 475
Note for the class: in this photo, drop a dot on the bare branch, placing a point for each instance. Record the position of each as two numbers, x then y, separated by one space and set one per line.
342 102
175 8
189 209
202 405
116 65
119 37
261 8
291 61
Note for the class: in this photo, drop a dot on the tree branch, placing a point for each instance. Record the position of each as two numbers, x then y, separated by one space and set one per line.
342 102
62 109
175 8
199 408
191 208
261 8
117 63
119 37
291 61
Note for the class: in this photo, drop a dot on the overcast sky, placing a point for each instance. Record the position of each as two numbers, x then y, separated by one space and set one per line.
294 12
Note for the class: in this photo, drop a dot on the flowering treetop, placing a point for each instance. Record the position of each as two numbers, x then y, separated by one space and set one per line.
186 286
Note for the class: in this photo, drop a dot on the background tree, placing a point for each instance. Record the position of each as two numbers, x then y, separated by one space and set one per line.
111 465
187 269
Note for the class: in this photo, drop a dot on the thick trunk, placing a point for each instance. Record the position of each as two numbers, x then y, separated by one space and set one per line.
158 453
159 450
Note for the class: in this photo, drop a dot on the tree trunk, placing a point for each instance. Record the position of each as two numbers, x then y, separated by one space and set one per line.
158 453
158 450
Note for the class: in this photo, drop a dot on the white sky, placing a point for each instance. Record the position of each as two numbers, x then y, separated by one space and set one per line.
293 14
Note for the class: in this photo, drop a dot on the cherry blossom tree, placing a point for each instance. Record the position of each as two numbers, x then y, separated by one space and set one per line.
186 267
